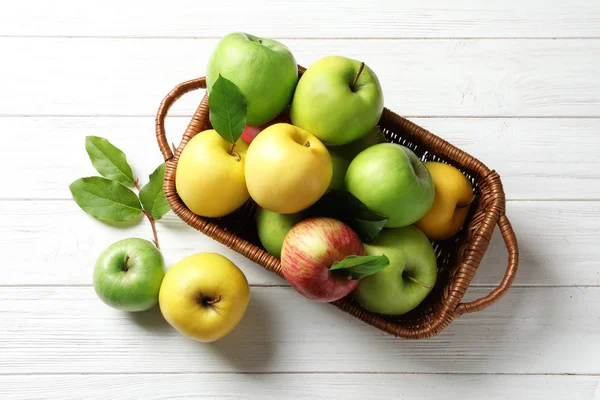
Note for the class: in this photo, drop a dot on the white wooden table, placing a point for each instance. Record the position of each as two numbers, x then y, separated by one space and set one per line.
514 82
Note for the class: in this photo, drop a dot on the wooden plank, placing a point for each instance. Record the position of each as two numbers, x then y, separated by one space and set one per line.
557 240
420 78
335 18
67 329
295 386
533 156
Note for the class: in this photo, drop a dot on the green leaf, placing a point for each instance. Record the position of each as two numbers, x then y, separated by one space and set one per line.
108 160
228 109
152 195
105 199
357 267
342 205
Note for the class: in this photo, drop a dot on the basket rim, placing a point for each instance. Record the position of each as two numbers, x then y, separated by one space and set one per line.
494 214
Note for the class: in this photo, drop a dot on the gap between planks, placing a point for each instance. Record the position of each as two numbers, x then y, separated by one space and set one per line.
193 37
297 373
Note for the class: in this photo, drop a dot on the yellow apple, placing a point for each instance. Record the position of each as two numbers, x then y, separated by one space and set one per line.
287 169
453 196
210 176
204 296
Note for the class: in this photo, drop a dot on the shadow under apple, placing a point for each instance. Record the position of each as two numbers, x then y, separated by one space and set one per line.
150 320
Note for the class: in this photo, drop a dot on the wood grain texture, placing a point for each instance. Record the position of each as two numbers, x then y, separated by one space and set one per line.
558 244
297 386
66 329
334 18
556 78
531 155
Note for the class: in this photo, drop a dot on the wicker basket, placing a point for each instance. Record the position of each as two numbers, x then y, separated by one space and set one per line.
458 258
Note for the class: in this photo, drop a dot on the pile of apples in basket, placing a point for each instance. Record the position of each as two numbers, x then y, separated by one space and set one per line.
347 213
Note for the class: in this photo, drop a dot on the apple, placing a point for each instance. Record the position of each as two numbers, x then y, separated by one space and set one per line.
310 248
409 278
273 227
204 296
453 196
341 156
210 176
338 100
391 181
287 169
263 69
250 132
128 274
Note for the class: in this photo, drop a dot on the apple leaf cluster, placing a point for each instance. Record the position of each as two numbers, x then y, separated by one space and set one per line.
109 198
228 109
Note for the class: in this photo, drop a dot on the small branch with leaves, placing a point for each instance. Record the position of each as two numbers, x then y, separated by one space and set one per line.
109 198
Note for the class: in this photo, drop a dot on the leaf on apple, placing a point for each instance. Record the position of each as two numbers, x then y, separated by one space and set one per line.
108 160
105 199
357 267
342 205
153 197
228 109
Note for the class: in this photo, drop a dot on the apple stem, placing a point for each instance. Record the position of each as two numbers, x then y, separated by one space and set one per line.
419 282
136 183
360 69
235 153
124 266
214 301
307 144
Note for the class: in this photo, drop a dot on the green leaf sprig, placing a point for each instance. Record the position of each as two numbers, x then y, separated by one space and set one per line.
228 109
357 267
108 198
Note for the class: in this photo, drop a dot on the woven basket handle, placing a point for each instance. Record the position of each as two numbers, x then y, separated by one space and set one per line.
163 109
510 240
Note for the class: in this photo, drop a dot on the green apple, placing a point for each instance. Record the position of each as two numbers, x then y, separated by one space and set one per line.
128 275
409 278
341 156
332 106
391 181
263 69
272 228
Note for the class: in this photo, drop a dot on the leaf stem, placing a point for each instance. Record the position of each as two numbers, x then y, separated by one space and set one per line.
136 183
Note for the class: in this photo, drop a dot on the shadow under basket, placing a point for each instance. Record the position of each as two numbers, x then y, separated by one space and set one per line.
457 258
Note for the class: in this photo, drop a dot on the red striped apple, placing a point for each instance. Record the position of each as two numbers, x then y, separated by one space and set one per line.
310 248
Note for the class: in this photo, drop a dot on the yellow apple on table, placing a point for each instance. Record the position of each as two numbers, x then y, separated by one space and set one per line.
287 169
204 296
453 196
210 175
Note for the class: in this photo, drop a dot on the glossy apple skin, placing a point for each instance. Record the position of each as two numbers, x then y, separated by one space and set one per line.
327 105
287 169
263 69
310 248
453 196
389 291
128 275
204 296
392 181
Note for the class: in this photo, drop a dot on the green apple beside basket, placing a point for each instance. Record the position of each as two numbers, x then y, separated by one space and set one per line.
457 258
